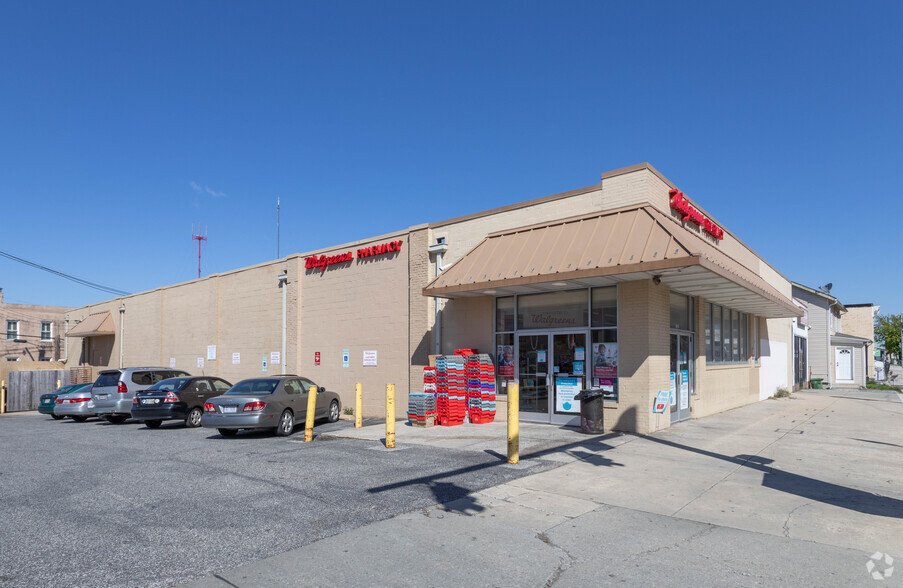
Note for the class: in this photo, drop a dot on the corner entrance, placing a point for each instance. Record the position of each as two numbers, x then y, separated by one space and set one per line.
552 370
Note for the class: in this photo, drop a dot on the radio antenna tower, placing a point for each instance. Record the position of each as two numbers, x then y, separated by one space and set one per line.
199 238
278 252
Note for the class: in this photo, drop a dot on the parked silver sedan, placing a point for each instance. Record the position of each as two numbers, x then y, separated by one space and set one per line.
275 402
77 404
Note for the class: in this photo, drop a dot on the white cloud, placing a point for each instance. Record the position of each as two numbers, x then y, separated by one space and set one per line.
195 186
213 192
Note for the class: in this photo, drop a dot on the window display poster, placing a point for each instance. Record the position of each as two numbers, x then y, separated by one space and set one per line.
606 384
579 353
506 361
565 390
605 360
684 389
673 390
578 368
540 357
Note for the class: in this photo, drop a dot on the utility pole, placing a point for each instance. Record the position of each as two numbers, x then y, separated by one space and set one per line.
277 229
199 238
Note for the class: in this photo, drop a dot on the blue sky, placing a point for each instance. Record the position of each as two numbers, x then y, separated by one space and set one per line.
124 124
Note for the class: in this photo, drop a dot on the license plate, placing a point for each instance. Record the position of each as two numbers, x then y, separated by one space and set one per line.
150 401
230 409
103 396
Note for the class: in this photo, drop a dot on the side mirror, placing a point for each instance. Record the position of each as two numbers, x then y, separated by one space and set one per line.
321 389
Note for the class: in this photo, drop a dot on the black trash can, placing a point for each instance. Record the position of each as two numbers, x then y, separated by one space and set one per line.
591 420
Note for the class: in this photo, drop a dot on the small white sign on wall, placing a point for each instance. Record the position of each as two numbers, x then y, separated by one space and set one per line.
370 357
172 363
275 357
211 353
236 358
200 362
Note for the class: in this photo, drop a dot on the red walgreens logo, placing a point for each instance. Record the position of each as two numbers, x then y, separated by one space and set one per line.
680 203
322 261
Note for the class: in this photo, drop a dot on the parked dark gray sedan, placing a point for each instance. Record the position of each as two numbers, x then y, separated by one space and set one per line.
275 402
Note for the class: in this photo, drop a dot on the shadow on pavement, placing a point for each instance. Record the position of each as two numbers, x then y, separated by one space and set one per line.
804 486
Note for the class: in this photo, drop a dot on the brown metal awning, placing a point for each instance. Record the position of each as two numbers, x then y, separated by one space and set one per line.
600 249
94 326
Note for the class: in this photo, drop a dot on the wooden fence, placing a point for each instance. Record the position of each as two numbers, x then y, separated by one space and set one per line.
24 388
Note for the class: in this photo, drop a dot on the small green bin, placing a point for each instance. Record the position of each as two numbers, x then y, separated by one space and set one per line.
815 383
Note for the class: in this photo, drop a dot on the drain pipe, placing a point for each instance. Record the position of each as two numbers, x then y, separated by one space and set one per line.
121 325
283 282
66 341
439 248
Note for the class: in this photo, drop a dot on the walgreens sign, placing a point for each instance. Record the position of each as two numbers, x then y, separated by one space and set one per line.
680 203
322 261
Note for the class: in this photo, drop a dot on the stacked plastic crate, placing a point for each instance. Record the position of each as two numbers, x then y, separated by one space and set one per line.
451 388
480 388
422 405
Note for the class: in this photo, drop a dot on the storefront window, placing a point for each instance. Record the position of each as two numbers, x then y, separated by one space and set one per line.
555 310
504 313
726 340
680 312
504 361
605 307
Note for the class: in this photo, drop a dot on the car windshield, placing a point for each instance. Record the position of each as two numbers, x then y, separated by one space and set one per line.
253 387
170 385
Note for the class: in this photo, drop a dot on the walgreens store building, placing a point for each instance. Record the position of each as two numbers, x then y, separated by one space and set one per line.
628 285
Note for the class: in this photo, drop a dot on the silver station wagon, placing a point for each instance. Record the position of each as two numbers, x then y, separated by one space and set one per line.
276 402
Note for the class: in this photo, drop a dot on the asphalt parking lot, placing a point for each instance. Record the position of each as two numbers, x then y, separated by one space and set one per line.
97 504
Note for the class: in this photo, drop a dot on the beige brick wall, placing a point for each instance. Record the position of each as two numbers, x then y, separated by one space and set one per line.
468 323
643 355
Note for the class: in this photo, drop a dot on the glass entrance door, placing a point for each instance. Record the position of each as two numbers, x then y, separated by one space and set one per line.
569 360
682 376
533 376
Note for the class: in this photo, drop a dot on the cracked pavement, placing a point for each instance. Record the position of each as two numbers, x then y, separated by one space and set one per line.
799 491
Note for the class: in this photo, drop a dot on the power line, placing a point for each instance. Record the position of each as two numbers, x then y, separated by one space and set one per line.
66 276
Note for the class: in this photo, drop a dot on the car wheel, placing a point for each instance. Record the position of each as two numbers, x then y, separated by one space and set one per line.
57 416
334 411
153 424
227 432
79 419
117 419
194 417
286 424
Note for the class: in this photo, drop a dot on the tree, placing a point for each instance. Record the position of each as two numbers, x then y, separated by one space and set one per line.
887 331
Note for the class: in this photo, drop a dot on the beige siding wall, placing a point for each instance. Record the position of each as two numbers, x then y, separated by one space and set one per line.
819 345
468 323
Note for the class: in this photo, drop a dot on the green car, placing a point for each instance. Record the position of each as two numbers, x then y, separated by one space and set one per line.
48 400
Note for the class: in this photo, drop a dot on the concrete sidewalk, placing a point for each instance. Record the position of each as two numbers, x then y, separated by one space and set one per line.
801 491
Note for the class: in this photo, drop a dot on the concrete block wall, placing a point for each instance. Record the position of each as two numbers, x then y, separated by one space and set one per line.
643 355
361 305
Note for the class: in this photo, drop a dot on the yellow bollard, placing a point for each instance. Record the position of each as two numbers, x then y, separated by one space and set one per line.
513 416
390 416
358 405
59 384
311 409
2 396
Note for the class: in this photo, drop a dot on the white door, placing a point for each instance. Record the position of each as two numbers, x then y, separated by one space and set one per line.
843 363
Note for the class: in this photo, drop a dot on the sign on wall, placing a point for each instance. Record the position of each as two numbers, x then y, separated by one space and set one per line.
201 362
275 358
211 353
263 364
680 203
172 363
370 358
316 358
346 358
321 262
236 358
